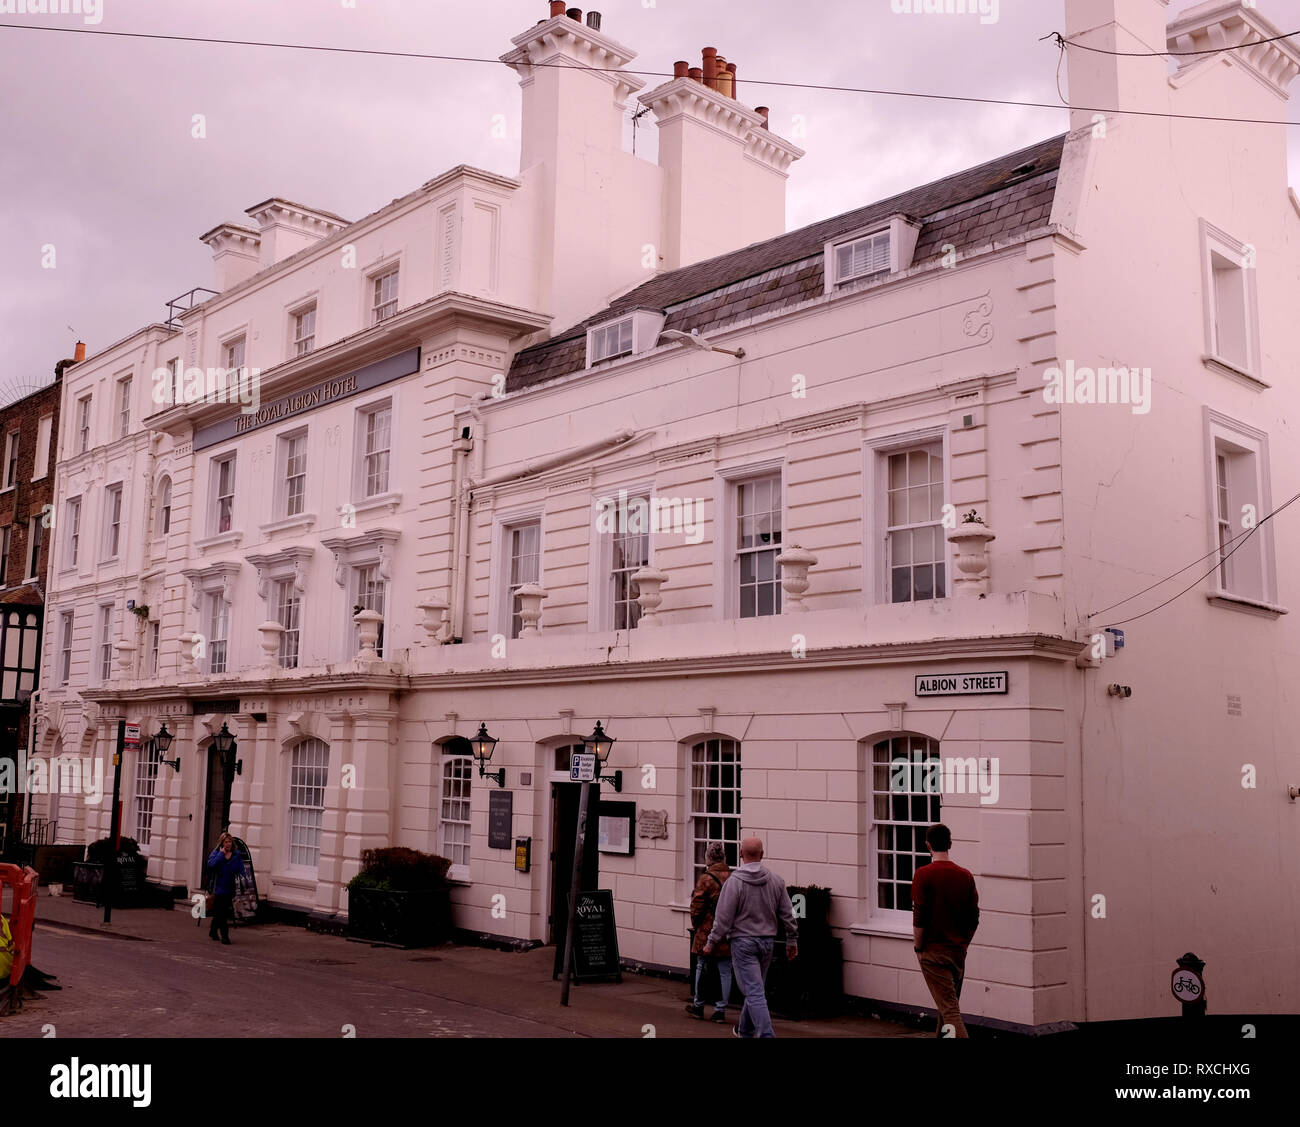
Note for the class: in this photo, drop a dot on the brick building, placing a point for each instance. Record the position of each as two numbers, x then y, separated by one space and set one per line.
27 433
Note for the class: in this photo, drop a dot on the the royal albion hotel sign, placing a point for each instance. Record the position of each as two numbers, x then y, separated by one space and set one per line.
309 398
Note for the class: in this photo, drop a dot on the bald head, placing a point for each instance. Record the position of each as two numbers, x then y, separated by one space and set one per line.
751 849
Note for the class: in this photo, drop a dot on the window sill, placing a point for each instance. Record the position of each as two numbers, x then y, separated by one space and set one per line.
1228 368
1229 601
676 907
221 540
880 930
379 501
8 489
294 880
301 521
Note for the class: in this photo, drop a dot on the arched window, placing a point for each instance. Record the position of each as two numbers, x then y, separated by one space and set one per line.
715 799
905 791
454 804
308 774
165 506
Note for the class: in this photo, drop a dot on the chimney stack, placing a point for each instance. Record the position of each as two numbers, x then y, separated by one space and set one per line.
80 353
1101 80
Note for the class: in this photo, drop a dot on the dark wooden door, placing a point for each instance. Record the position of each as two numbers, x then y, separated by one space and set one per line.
216 809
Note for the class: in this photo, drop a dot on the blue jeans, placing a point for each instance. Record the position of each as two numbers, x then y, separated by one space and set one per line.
751 958
724 973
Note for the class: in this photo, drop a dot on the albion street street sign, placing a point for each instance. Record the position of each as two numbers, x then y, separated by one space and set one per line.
960 684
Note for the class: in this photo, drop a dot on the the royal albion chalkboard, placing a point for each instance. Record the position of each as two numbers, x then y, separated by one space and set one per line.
595 938
501 806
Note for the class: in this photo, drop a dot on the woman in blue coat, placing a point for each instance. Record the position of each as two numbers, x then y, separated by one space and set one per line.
226 868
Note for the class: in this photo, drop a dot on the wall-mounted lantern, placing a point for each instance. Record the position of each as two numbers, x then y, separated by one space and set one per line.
163 742
484 745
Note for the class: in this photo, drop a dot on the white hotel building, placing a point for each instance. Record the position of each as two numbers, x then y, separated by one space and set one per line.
451 386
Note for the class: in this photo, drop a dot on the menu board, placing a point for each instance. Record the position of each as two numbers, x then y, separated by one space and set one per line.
501 805
595 937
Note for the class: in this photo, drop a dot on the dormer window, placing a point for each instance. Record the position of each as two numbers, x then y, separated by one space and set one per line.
884 248
862 258
611 341
631 334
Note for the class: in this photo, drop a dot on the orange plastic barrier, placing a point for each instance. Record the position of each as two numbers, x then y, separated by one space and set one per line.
21 914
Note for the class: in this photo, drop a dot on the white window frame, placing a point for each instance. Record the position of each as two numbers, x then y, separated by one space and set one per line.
373 547
283 484
291 566
726 546
112 545
145 791
302 343
368 602
1253 563
638 331
875 496
362 456
228 350
303 789
155 645
1219 245
44 436
456 773
288 613
13 440
215 496
164 495
209 585
35 541
896 919
374 281
85 421
124 406
72 536
698 842
67 622
501 605
902 233
215 627
601 614
104 643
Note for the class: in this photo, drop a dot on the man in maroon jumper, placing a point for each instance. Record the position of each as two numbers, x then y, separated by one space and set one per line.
945 914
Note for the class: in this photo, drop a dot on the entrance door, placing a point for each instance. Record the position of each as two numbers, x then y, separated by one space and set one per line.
216 809
564 836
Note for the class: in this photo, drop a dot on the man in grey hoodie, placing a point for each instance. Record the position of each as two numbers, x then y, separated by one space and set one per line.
751 902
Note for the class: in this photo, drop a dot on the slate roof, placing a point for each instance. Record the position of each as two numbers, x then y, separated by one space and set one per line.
991 202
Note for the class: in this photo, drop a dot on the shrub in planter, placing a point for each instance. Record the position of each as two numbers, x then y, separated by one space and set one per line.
813 985
400 896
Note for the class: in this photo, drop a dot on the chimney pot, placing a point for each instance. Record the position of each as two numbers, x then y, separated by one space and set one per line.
762 111
593 21
557 8
710 67
574 14
80 354
696 73
735 89
681 68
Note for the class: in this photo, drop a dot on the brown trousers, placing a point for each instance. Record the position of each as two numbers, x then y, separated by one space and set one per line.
944 968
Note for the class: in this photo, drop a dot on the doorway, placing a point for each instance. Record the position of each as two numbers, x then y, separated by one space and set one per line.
564 837
216 807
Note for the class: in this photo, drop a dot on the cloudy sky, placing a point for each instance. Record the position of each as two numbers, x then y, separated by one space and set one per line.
97 157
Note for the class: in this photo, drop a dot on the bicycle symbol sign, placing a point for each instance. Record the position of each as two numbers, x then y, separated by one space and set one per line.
1186 985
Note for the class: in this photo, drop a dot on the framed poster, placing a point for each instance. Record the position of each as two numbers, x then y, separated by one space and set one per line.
614 822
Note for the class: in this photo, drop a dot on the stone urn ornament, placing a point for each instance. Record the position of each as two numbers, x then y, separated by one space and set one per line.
368 623
795 562
270 643
530 597
434 610
648 581
971 538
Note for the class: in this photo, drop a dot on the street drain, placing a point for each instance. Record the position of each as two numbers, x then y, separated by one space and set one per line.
426 959
331 962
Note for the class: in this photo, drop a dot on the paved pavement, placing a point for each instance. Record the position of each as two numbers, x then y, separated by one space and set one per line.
154 973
